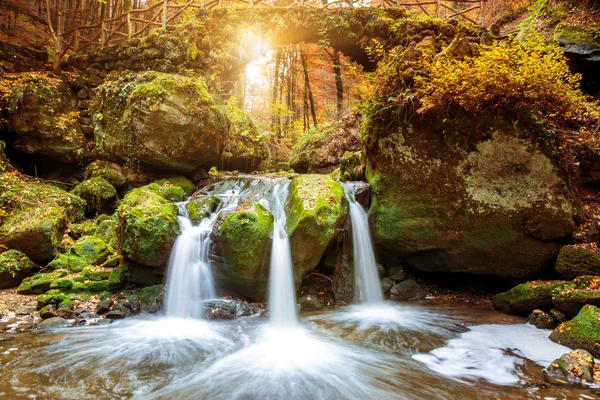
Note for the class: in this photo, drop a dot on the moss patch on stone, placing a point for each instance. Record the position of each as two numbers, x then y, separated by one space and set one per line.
184 183
582 332
201 208
86 251
40 283
577 260
526 297
14 267
99 194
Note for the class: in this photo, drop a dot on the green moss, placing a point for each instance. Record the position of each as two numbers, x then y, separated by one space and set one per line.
582 332
99 194
576 260
213 172
526 297
87 227
95 274
184 183
107 231
150 294
106 170
117 277
98 286
149 227
14 267
352 167
166 190
37 232
485 238
62 284
40 283
198 209
53 296
88 250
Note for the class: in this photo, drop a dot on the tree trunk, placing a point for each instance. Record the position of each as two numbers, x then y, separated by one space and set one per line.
338 84
308 90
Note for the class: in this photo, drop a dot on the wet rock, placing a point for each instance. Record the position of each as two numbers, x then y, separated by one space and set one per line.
316 209
541 320
575 369
14 267
309 302
115 314
343 282
398 274
150 298
242 246
48 311
52 323
221 310
582 332
525 298
104 306
386 285
407 290
101 321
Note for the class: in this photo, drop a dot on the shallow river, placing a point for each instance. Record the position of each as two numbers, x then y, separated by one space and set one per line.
389 352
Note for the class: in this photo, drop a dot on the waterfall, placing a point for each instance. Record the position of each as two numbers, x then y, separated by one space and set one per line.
189 281
365 267
282 289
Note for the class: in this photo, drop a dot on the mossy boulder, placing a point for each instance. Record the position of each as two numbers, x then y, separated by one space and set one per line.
352 167
316 209
242 250
478 197
14 267
148 227
107 231
201 208
572 369
582 332
166 190
526 297
42 118
112 172
100 195
182 182
86 227
150 298
161 120
577 293
36 232
86 251
577 260
40 283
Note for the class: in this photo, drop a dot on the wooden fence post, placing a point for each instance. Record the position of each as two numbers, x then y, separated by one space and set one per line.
164 15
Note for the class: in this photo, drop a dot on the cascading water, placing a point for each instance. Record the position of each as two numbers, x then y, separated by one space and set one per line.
282 291
190 281
365 267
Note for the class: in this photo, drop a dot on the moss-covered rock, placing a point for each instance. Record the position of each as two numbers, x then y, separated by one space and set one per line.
36 232
201 208
4 165
167 190
242 248
148 227
352 167
572 369
579 259
161 120
40 283
41 116
86 227
577 293
184 183
526 297
112 172
316 209
582 332
86 251
14 267
541 320
100 195
150 298
107 231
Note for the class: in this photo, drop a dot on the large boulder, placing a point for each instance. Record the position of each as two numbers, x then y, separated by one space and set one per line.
162 120
322 150
526 297
112 172
14 267
242 245
479 198
316 210
582 332
148 227
577 260
42 117
100 195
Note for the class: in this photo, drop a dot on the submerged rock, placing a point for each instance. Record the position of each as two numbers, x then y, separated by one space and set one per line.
572 369
525 298
54 322
149 227
582 332
316 209
242 246
14 267
161 120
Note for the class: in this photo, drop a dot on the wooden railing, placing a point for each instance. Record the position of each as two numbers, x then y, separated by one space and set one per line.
137 23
